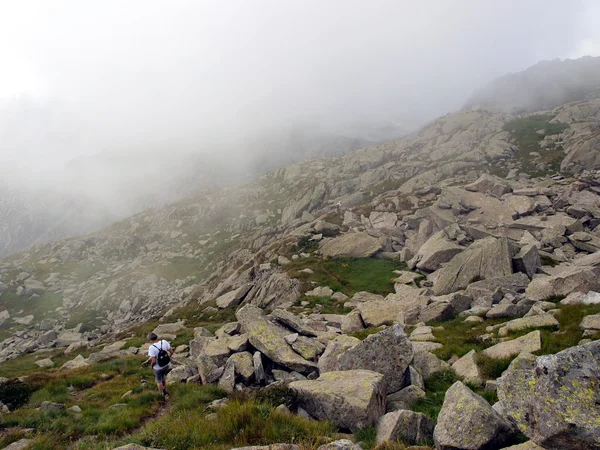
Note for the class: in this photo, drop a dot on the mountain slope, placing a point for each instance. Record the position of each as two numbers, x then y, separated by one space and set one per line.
206 245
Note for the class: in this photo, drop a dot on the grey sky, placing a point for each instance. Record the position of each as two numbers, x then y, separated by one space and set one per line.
137 75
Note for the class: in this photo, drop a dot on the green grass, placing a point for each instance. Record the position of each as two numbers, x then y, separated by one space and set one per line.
367 437
194 316
459 337
524 132
363 334
349 275
568 334
25 364
94 389
492 368
435 390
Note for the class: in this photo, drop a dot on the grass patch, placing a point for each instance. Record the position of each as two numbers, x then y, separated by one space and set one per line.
524 133
363 334
367 437
435 389
491 368
349 275
240 423
459 337
568 334
94 389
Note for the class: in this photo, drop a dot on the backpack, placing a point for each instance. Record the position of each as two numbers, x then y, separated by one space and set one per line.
162 358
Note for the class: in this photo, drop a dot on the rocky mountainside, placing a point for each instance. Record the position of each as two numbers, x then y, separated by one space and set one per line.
545 85
95 191
441 289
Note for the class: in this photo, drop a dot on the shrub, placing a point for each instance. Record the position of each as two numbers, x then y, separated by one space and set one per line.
15 394
275 395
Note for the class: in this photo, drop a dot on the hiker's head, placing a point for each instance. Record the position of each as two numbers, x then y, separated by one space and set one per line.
152 337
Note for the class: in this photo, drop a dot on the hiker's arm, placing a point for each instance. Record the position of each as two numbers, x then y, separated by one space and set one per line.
153 361
170 351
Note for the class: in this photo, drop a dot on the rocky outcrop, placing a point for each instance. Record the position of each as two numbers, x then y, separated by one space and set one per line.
488 258
269 339
351 400
555 399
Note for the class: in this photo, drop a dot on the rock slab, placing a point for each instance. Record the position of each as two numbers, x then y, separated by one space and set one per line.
351 399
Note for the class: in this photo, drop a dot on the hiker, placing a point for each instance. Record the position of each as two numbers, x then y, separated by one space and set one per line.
160 353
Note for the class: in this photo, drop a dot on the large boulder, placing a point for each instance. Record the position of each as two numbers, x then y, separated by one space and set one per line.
350 245
406 426
436 251
75 363
487 258
351 400
233 298
269 339
527 260
388 352
467 422
487 183
555 399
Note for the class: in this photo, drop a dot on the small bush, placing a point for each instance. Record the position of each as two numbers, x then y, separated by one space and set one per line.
275 395
492 368
15 394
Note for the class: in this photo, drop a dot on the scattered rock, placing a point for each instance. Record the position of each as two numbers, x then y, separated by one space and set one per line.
52 407
466 368
405 426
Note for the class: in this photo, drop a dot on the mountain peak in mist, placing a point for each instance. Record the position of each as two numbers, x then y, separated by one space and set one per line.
544 85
